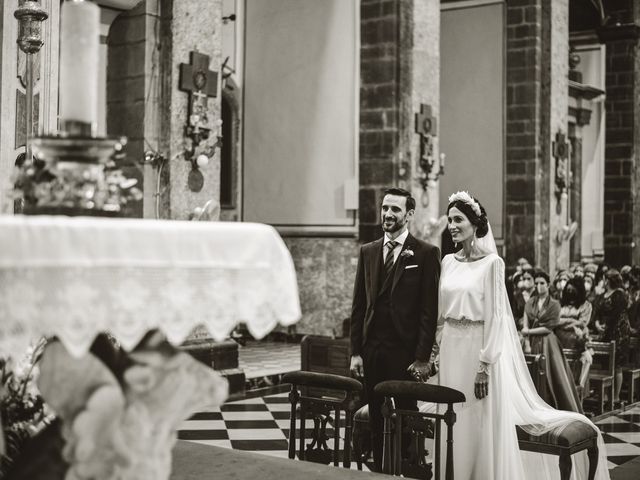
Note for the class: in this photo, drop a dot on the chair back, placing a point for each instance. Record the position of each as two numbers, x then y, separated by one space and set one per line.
634 348
308 393
325 355
604 357
537 370
392 462
579 370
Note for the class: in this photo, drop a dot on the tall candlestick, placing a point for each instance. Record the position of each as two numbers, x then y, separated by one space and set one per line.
79 44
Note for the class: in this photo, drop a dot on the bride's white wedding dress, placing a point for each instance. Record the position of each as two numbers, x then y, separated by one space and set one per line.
478 326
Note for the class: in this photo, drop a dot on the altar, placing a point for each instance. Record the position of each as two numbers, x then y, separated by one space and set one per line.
147 284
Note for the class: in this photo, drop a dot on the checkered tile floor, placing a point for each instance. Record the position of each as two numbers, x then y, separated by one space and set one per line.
621 435
261 425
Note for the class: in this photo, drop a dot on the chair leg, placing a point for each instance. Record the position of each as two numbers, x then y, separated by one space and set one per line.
348 436
387 457
303 421
592 454
449 419
613 389
565 467
601 398
293 398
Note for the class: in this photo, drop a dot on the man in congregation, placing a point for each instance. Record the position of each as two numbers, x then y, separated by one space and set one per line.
395 308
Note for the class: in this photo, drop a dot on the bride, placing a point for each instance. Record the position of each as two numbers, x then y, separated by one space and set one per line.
480 355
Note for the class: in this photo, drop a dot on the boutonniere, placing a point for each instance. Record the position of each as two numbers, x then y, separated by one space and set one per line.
406 253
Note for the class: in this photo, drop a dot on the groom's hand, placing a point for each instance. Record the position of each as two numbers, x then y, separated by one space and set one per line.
357 366
420 370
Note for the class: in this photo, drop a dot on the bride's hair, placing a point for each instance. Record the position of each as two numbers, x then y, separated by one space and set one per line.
469 206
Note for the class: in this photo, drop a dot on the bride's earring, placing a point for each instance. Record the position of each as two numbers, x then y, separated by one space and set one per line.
455 245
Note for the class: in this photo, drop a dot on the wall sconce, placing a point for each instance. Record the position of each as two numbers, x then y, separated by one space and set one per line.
426 126
561 149
201 83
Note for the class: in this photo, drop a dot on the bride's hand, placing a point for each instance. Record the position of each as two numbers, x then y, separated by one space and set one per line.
481 385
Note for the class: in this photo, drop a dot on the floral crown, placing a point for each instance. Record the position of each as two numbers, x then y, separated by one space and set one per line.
468 199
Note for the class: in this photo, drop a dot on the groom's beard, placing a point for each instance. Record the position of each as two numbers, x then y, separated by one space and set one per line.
394 224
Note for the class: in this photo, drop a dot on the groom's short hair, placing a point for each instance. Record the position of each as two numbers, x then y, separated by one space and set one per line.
401 192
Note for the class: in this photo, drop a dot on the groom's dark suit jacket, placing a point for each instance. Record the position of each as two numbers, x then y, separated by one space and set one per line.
413 295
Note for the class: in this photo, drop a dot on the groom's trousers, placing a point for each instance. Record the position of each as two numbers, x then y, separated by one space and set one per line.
384 363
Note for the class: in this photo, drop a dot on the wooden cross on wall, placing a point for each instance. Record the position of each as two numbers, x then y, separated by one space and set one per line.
426 123
201 83
427 127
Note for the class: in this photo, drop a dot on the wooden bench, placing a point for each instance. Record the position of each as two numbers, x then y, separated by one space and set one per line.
602 373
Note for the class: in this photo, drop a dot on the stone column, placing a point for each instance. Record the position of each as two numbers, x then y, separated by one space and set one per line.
186 26
537 104
622 176
555 104
400 69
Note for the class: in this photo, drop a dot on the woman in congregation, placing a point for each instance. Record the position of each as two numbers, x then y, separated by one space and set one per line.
573 330
480 355
541 318
611 314
575 313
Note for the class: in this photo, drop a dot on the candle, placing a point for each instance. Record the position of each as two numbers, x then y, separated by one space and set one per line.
79 44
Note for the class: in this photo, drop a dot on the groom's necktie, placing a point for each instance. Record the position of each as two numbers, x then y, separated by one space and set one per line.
388 259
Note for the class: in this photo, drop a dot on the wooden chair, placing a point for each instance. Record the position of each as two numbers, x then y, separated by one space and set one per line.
325 355
602 374
322 397
536 365
631 372
564 441
395 421
579 371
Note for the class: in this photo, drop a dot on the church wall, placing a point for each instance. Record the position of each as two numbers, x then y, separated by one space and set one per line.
471 130
326 269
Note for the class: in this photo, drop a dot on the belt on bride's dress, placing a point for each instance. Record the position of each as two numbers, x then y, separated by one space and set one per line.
463 322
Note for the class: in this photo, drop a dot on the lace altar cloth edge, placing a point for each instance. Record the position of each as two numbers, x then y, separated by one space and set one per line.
77 277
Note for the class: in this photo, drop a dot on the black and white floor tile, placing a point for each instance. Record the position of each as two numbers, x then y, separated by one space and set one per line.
262 425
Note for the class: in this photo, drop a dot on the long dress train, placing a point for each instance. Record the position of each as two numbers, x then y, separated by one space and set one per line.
478 326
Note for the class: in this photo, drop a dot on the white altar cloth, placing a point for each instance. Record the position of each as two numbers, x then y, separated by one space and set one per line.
77 277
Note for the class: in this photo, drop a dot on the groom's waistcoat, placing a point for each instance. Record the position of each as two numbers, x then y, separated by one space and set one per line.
383 330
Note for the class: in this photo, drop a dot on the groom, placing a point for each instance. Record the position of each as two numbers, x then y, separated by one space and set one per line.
395 308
